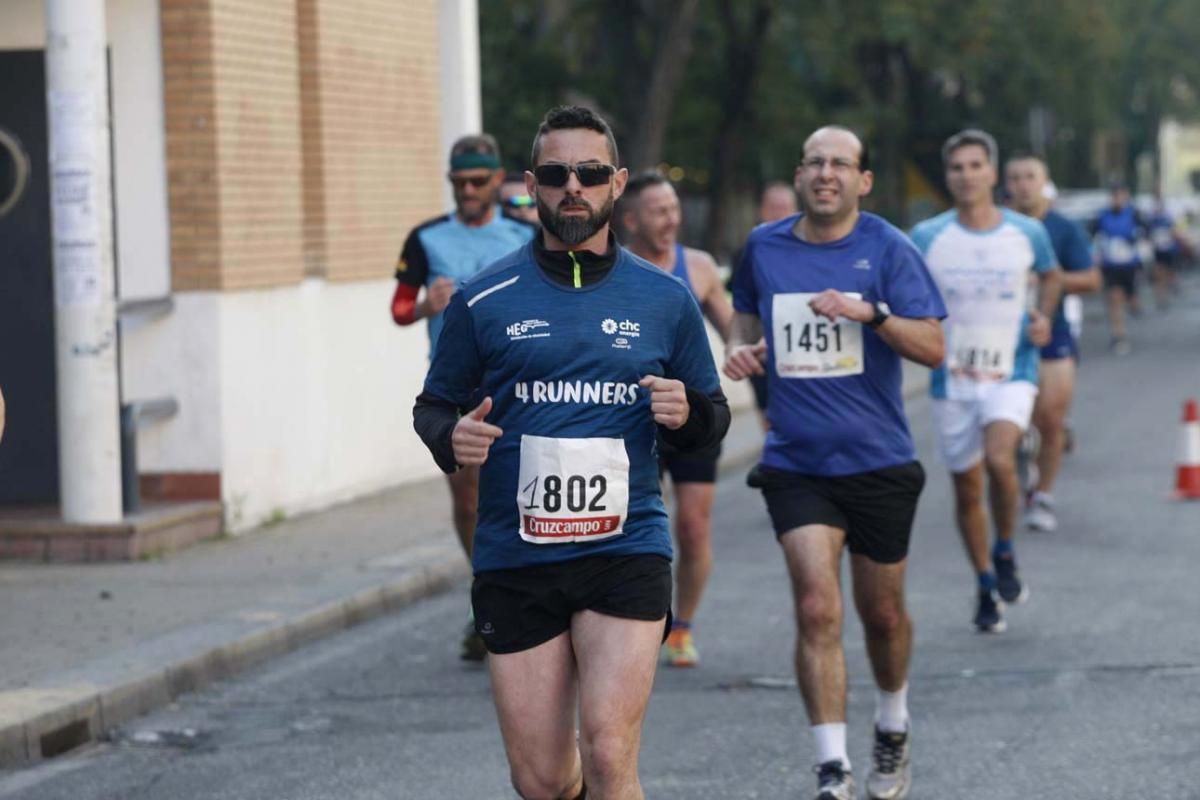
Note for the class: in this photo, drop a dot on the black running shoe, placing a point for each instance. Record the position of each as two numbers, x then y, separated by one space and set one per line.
1008 583
988 616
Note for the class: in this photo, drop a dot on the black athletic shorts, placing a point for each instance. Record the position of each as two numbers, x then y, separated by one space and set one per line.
1124 278
517 609
1168 258
875 509
699 467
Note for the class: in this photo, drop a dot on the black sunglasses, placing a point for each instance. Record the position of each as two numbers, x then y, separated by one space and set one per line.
557 175
478 181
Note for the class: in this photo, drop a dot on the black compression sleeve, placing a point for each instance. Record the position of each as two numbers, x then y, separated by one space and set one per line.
707 424
434 420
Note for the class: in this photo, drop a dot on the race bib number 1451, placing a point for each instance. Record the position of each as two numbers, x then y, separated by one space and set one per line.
810 346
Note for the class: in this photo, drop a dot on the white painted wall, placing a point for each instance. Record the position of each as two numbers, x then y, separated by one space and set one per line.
177 356
316 392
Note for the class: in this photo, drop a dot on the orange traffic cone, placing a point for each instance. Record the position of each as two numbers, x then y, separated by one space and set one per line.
1187 476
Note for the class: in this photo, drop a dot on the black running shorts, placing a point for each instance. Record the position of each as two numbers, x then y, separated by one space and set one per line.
875 509
698 467
1124 278
517 609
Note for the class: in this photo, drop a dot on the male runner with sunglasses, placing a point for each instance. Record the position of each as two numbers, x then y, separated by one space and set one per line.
582 354
437 256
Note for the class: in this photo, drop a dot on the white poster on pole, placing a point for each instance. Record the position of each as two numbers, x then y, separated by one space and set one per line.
77 257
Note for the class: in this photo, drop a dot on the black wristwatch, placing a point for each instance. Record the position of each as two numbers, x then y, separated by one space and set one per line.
882 312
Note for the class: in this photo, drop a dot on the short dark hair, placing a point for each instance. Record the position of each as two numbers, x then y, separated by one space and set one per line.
640 183
864 153
562 118
972 136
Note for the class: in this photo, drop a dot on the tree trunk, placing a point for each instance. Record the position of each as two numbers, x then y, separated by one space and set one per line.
667 63
742 62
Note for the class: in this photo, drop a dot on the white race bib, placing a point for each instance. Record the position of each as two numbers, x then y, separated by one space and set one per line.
1118 250
810 346
981 353
572 490
1164 238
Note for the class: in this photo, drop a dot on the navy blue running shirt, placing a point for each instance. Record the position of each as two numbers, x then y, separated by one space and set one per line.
834 399
576 472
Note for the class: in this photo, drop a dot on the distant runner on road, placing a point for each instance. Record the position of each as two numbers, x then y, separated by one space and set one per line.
651 214
982 258
1025 180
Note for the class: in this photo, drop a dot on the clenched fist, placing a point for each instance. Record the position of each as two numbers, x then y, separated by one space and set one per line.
668 401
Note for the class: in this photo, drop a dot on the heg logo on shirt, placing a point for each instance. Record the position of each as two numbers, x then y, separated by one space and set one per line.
527 329
606 393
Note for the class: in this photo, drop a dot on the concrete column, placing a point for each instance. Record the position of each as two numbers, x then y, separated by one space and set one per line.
84 297
461 96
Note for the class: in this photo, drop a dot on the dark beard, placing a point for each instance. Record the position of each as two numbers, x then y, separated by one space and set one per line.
573 230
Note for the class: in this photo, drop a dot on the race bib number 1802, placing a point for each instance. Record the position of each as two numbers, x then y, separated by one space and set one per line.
572 490
811 346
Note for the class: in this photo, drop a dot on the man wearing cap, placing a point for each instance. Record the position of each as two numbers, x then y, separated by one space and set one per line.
440 254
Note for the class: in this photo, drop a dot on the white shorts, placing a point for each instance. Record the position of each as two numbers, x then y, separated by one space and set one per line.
960 423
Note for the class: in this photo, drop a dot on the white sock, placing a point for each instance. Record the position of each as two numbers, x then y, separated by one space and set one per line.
891 710
830 739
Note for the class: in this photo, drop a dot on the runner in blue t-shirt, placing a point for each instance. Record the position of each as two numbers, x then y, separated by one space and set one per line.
984 259
651 216
583 354
1026 180
1120 230
841 297
438 255
1169 250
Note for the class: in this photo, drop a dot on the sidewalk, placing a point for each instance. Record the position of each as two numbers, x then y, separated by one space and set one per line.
89 647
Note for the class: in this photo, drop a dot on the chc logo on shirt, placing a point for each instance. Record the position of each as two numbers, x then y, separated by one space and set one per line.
627 329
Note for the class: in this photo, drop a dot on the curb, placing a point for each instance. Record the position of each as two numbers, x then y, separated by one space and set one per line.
49 722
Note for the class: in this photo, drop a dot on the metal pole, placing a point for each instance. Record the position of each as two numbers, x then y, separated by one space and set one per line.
84 303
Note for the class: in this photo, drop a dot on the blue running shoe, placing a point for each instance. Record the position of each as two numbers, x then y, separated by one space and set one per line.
1008 583
988 616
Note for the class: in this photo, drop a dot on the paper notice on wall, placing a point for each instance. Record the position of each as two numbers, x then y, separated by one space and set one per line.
73 131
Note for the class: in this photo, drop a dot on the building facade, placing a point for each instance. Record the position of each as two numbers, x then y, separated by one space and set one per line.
268 158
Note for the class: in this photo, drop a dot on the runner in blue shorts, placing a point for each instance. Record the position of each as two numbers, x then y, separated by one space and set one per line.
1120 230
1025 179
583 355
651 216
983 259
841 297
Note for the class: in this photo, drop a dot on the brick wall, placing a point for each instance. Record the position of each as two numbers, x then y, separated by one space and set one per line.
189 91
371 121
302 137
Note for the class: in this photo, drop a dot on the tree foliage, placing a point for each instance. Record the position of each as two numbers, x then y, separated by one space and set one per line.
754 77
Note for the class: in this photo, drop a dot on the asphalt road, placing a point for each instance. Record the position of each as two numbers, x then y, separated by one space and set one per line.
1093 693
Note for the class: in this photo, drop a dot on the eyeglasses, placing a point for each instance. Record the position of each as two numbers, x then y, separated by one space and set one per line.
478 181
557 175
816 164
519 201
